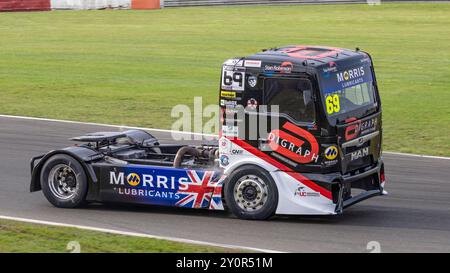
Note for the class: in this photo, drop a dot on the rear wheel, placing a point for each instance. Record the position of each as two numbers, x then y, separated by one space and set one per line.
64 182
251 193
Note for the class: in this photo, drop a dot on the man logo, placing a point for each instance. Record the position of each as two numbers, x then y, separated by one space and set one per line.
331 152
133 179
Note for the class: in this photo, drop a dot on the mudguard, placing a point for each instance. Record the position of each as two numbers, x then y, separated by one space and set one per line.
83 155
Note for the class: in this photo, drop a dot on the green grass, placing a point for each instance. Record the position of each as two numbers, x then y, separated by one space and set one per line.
35 238
131 67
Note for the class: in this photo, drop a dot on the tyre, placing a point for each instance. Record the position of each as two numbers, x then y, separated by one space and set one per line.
251 193
64 182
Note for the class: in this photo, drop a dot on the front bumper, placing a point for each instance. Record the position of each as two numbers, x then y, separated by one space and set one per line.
353 188
367 182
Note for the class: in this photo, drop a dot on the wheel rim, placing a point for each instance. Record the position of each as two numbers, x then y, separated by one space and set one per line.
62 181
250 193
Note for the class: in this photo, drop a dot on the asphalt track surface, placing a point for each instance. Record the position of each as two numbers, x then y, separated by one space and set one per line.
414 217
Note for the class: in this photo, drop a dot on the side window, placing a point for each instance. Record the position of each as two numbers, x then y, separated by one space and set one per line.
293 96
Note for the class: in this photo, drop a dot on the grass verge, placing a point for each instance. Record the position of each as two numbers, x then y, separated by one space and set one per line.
36 238
132 67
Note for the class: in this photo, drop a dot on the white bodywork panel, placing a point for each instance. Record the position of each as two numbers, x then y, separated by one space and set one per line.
293 196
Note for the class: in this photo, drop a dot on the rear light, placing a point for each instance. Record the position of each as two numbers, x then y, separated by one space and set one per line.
382 180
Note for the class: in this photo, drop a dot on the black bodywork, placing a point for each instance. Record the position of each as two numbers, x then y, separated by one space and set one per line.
357 134
133 151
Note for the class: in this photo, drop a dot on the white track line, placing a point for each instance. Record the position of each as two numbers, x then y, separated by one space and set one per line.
136 234
416 155
179 132
105 125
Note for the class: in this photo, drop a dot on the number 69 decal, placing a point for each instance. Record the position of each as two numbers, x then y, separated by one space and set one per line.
332 103
233 80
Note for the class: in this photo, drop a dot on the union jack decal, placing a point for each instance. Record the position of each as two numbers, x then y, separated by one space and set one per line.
199 191
216 200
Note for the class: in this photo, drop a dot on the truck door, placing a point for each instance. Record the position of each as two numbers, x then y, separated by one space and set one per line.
294 142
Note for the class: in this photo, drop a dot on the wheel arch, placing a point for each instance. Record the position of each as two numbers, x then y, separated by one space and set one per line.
259 169
249 162
82 154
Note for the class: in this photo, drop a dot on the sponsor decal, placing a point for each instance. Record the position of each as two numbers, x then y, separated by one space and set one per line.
147 185
230 131
330 163
331 152
224 160
148 180
350 74
365 60
236 151
360 128
351 77
252 63
224 145
359 153
228 94
302 192
301 150
133 179
252 81
334 80
252 104
231 111
228 103
186 188
331 68
368 126
233 62
285 67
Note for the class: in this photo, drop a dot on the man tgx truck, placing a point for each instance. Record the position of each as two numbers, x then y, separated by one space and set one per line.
324 154
300 133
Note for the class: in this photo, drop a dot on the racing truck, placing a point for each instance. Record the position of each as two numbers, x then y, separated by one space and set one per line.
300 133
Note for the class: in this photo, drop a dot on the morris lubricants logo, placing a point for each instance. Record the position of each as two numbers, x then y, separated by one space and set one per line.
147 185
133 179
350 74
331 152
149 181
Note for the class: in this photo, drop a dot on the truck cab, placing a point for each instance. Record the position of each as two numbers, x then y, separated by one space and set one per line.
308 118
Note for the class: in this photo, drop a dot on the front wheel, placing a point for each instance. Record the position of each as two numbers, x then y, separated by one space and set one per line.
251 193
64 182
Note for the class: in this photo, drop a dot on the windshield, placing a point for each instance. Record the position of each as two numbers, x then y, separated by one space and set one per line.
348 90
349 99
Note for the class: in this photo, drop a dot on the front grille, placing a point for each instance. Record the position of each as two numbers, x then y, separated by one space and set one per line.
351 149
